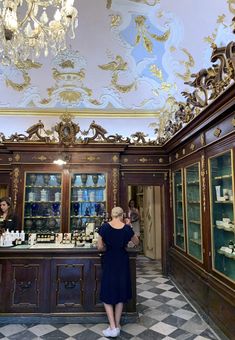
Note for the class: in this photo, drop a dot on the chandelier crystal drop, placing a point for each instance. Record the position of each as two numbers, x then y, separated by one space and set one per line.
28 27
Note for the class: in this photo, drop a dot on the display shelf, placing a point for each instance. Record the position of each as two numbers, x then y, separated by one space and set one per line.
198 242
87 199
193 211
231 229
42 202
222 212
179 239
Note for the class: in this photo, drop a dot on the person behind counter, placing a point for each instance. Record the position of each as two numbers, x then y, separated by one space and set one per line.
7 217
114 237
134 217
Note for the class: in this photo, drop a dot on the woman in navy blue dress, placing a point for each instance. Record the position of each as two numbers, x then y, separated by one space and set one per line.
116 280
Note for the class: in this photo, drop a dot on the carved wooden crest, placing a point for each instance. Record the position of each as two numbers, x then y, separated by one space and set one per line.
67 131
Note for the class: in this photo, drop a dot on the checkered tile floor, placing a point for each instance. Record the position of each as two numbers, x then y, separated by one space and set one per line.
163 314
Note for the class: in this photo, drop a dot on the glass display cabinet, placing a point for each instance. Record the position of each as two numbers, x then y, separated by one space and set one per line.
88 201
42 202
179 229
193 211
222 214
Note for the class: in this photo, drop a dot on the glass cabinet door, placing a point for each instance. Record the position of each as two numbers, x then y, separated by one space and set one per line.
42 202
193 211
88 201
222 214
179 233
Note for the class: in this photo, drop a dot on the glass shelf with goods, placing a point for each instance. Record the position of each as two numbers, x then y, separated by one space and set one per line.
179 229
222 214
193 211
42 202
88 200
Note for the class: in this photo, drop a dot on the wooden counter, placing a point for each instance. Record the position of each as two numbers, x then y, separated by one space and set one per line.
55 283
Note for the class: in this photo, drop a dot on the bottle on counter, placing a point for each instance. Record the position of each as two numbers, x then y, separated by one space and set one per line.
22 235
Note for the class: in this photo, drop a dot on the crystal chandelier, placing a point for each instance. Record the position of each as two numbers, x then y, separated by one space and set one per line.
28 27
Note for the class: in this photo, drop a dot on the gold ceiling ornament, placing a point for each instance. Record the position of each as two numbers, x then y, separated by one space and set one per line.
231 5
19 86
146 36
22 67
115 20
121 87
188 65
26 28
71 96
115 65
147 2
109 4
156 71
67 64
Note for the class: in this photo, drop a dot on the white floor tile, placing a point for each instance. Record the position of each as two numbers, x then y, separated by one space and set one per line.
184 314
163 328
148 295
72 329
171 295
9 330
41 329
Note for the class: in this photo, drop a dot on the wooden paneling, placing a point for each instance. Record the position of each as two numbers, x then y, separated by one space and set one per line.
60 282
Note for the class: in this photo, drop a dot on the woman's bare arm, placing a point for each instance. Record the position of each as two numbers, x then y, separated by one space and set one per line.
135 240
100 243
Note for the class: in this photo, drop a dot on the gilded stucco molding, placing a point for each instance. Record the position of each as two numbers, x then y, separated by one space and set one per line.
208 84
217 132
69 133
115 185
203 176
170 188
15 185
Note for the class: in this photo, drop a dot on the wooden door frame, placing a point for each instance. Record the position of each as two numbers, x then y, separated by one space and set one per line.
152 179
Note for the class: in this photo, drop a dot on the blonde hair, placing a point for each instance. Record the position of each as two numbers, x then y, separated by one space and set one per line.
117 212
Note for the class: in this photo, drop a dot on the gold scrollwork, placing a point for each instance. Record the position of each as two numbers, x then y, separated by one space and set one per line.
15 183
145 160
202 139
192 147
144 35
17 157
170 188
233 122
115 186
40 158
125 160
115 158
92 158
161 160
203 175
217 132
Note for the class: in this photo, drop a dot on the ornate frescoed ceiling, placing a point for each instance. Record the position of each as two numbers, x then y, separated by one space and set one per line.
129 58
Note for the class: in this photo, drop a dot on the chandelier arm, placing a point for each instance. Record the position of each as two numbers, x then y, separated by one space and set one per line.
27 15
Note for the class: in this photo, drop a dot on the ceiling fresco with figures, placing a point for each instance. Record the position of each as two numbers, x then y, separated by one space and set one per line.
128 56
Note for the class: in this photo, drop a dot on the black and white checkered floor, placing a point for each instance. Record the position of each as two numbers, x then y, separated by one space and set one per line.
164 313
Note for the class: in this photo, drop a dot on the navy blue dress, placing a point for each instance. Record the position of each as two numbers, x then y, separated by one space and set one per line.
116 278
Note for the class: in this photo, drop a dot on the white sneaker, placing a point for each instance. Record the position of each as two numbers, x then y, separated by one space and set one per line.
111 333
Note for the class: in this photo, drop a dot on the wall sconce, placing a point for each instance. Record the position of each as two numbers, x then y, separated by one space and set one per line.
62 159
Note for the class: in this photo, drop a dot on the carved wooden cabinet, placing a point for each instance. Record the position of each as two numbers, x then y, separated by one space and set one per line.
50 197
202 165
59 282
25 285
